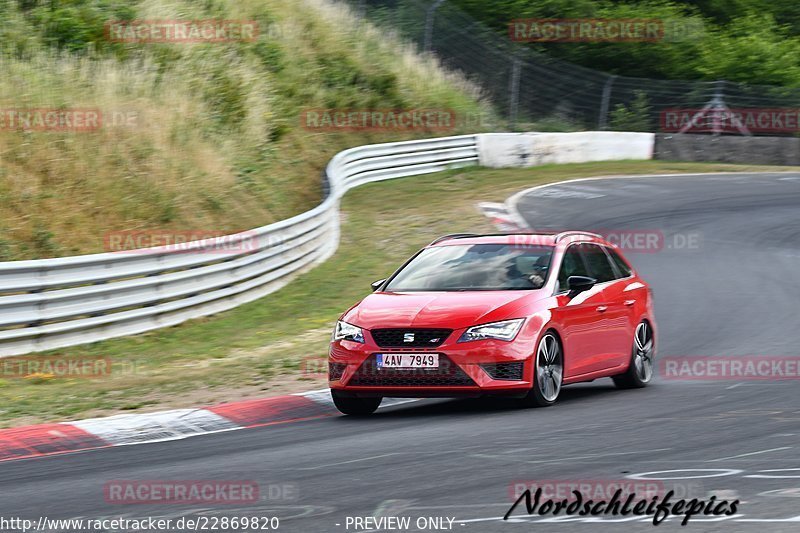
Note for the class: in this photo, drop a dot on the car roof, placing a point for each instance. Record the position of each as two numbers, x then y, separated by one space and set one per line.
530 238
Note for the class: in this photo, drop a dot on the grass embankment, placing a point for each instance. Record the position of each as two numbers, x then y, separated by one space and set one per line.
195 137
260 349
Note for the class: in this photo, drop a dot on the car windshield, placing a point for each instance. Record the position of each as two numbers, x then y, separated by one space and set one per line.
475 267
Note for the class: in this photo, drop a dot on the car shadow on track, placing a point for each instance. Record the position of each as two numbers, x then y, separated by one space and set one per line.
577 396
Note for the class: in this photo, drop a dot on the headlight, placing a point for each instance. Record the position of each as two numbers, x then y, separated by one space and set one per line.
504 331
349 332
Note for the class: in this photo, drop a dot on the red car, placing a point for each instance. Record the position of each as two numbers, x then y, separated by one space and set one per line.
513 314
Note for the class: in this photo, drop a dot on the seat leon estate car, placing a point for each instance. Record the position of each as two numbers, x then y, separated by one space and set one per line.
510 314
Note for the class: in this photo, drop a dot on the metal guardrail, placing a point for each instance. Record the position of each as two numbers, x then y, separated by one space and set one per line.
52 303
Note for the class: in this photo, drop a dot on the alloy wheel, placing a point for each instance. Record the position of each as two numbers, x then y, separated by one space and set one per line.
549 367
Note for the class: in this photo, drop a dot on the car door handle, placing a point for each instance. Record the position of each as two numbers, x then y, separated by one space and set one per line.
601 308
630 302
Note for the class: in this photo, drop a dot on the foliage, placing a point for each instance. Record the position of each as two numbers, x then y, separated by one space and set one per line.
751 41
216 142
633 118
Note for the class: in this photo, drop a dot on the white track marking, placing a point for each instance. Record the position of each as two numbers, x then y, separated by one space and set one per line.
643 519
752 453
771 520
720 472
327 465
763 474
564 459
513 201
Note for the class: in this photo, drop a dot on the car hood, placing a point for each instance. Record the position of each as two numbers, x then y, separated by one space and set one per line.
452 310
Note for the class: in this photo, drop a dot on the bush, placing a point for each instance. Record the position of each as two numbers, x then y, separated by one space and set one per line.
637 117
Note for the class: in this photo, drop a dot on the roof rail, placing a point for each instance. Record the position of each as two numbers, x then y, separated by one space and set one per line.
454 236
576 232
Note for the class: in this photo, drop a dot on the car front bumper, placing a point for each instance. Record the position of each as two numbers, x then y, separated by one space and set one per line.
471 369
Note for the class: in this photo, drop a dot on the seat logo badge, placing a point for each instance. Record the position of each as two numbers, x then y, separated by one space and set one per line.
434 340
408 337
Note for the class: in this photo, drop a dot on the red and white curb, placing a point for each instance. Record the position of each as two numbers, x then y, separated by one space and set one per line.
124 430
502 216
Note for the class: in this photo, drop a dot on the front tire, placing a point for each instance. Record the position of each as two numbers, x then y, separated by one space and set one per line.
354 406
548 373
640 369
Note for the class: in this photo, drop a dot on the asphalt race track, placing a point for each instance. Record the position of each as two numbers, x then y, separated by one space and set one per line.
727 282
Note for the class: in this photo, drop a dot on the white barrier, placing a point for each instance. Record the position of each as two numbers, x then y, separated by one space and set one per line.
502 150
52 303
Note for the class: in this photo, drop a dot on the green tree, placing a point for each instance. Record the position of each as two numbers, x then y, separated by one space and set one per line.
752 41
754 49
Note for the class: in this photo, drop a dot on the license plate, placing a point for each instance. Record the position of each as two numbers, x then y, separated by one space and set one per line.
408 360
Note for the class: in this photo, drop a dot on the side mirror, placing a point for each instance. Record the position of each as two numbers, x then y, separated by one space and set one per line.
377 284
579 284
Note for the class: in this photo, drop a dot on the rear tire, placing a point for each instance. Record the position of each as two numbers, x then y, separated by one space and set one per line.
548 373
354 406
640 369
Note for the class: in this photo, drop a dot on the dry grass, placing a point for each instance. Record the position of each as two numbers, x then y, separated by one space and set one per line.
215 141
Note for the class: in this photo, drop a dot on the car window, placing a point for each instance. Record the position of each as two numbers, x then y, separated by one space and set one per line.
571 265
462 267
622 266
599 265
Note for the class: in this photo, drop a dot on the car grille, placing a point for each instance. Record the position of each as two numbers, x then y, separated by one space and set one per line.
423 338
448 374
507 371
335 370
